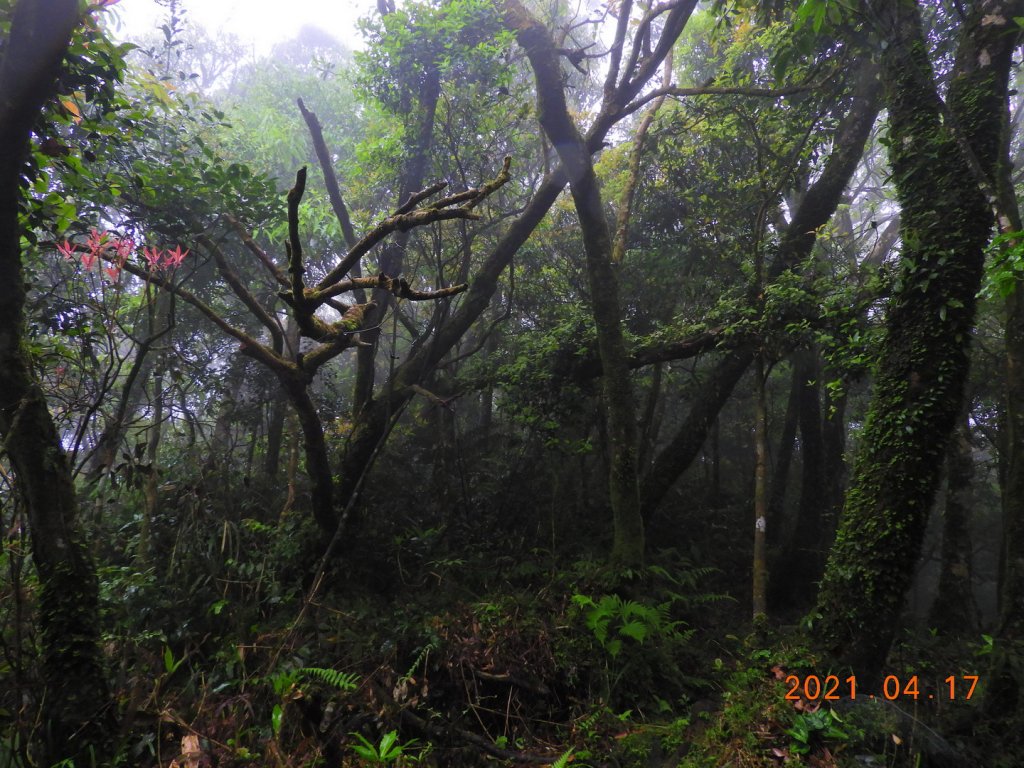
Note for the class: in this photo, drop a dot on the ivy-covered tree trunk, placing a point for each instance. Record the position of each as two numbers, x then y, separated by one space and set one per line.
1004 695
919 383
620 410
75 702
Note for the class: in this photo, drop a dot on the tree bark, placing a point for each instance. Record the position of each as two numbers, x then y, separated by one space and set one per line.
918 389
76 703
802 559
954 613
760 566
553 114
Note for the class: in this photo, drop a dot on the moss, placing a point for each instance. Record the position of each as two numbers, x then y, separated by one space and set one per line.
923 364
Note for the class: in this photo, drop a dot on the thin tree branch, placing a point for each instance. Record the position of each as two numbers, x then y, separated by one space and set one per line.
330 178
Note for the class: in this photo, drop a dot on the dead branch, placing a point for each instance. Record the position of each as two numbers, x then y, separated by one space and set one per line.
407 217
330 178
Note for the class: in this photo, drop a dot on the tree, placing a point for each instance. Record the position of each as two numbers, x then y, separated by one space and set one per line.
76 712
943 156
553 114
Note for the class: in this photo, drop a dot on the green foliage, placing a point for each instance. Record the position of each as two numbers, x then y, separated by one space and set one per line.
810 728
817 12
1004 266
614 620
342 681
464 40
388 751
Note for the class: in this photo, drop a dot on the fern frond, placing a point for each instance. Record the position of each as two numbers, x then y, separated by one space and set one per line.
343 681
563 760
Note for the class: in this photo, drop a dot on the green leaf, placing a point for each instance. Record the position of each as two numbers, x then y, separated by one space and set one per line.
636 630
275 719
389 748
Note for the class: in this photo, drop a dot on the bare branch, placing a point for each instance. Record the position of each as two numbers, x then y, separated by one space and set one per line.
417 197
616 50
677 92
643 32
330 178
243 293
396 286
251 244
406 218
295 266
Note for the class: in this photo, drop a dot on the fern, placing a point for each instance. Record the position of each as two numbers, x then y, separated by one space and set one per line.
343 681
563 760
420 659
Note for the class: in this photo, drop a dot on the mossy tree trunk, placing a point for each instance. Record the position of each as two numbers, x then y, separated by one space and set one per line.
1004 701
75 703
918 387
620 410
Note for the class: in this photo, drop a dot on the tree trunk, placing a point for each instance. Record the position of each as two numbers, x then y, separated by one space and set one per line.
784 458
760 587
279 406
802 559
318 464
76 714
553 114
954 613
1003 698
814 211
833 462
151 507
946 223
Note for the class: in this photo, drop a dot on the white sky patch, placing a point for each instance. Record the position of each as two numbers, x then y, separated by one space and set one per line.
259 23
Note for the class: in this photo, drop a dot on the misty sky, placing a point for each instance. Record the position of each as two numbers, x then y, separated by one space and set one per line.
258 22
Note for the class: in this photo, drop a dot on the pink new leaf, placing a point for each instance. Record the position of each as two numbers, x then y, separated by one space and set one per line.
123 249
152 256
174 258
96 241
67 250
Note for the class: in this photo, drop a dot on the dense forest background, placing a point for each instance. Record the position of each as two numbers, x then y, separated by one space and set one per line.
593 384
